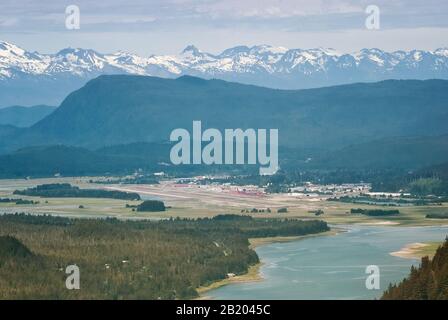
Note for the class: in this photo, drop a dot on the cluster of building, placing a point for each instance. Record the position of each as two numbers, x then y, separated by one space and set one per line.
316 190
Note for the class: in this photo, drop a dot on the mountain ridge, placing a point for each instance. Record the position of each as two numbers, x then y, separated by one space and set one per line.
20 116
263 65
121 109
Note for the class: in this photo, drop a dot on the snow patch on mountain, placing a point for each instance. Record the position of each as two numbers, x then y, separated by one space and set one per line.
261 64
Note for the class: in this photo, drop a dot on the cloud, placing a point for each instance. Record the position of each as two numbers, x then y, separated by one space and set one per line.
220 12
215 22
235 9
8 22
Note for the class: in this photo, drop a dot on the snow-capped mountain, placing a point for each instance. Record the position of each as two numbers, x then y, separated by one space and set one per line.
33 78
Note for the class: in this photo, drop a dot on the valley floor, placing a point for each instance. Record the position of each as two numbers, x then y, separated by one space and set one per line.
193 201
199 201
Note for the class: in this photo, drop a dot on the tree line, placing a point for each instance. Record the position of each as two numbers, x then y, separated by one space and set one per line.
66 190
375 212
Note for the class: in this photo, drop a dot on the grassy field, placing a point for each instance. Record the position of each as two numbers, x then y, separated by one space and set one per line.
429 249
195 201
417 250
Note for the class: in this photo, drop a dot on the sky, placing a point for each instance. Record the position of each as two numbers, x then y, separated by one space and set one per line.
167 26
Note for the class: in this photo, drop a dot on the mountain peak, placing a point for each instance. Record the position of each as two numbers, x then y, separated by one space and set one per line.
234 51
268 48
80 52
442 52
10 48
6 44
191 79
191 49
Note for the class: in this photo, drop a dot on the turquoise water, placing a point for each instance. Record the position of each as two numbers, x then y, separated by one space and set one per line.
331 267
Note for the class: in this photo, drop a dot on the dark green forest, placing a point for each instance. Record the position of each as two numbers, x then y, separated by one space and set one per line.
442 215
65 190
18 201
167 259
427 282
151 206
375 212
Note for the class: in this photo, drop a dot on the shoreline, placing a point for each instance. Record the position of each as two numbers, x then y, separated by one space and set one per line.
253 274
417 250
256 242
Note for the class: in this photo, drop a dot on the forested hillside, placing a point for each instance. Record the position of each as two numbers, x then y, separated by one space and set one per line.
167 259
432 180
388 153
124 109
427 282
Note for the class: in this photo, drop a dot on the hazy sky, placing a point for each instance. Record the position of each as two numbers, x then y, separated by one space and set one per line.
167 26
